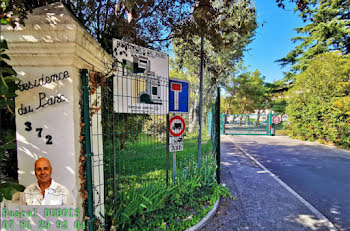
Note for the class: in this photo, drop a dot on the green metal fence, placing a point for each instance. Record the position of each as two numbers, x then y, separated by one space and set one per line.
247 124
130 160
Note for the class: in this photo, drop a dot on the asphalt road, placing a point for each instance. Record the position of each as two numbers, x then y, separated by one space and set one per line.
318 173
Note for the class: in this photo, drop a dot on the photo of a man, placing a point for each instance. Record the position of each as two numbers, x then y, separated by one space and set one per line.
46 191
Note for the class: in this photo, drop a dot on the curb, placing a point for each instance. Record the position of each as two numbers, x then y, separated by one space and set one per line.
205 220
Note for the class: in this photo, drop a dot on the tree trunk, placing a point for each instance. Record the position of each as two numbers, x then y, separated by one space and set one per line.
226 112
243 111
193 117
258 118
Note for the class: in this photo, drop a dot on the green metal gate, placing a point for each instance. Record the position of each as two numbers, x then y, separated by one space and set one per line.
247 124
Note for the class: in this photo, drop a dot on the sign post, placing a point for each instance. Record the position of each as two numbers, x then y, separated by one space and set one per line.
177 128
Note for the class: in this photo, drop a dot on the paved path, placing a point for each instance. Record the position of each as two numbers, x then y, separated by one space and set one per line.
262 202
319 173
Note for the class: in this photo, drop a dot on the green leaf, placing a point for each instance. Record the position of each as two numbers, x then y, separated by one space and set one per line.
5 22
10 145
17 187
5 56
4 89
8 189
3 44
8 70
126 216
8 192
11 78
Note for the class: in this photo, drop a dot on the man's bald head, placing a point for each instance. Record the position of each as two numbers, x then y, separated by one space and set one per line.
43 171
42 160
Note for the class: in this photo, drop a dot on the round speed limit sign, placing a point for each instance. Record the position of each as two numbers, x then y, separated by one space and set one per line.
276 119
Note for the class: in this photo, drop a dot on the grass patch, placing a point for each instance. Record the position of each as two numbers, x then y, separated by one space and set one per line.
154 206
137 197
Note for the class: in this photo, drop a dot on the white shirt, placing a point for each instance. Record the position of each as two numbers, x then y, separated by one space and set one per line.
56 194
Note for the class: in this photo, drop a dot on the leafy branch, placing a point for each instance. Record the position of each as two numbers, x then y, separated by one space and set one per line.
8 86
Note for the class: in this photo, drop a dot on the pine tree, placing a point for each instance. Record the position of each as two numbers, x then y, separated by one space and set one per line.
328 30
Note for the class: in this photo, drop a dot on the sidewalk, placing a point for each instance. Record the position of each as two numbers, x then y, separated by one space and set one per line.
262 202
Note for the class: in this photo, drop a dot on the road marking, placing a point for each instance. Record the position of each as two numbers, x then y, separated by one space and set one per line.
318 214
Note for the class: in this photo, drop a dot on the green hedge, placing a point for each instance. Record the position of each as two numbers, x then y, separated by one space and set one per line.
319 103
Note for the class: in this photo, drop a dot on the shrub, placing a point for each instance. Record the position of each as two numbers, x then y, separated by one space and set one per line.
319 102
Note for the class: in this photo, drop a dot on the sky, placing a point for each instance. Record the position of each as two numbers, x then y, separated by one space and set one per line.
273 39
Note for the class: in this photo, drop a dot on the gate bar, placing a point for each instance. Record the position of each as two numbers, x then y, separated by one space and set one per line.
217 135
167 149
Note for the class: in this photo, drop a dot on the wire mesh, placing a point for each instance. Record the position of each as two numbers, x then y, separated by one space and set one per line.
130 144
246 124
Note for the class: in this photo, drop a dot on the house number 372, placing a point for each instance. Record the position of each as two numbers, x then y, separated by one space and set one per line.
29 128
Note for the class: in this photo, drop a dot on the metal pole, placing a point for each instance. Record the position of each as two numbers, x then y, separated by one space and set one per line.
267 126
222 125
200 102
218 137
270 123
249 124
174 166
167 150
88 154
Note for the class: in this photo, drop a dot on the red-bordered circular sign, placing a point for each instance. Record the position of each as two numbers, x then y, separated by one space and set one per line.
174 128
276 119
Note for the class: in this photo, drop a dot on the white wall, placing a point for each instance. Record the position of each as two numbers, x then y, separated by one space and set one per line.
51 115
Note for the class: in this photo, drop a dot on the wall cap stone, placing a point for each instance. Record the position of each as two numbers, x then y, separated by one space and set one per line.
52 36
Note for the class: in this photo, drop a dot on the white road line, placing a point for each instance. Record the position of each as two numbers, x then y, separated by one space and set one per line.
317 213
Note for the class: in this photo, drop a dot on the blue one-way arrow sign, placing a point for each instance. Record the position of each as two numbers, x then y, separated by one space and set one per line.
179 96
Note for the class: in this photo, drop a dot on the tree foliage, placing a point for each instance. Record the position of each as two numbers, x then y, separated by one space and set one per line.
275 96
152 24
301 5
7 73
328 29
247 93
319 102
227 32
8 87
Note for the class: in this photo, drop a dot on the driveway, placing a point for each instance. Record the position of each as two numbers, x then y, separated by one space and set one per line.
305 186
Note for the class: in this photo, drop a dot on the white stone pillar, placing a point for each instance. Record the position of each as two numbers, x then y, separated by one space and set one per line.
48 54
